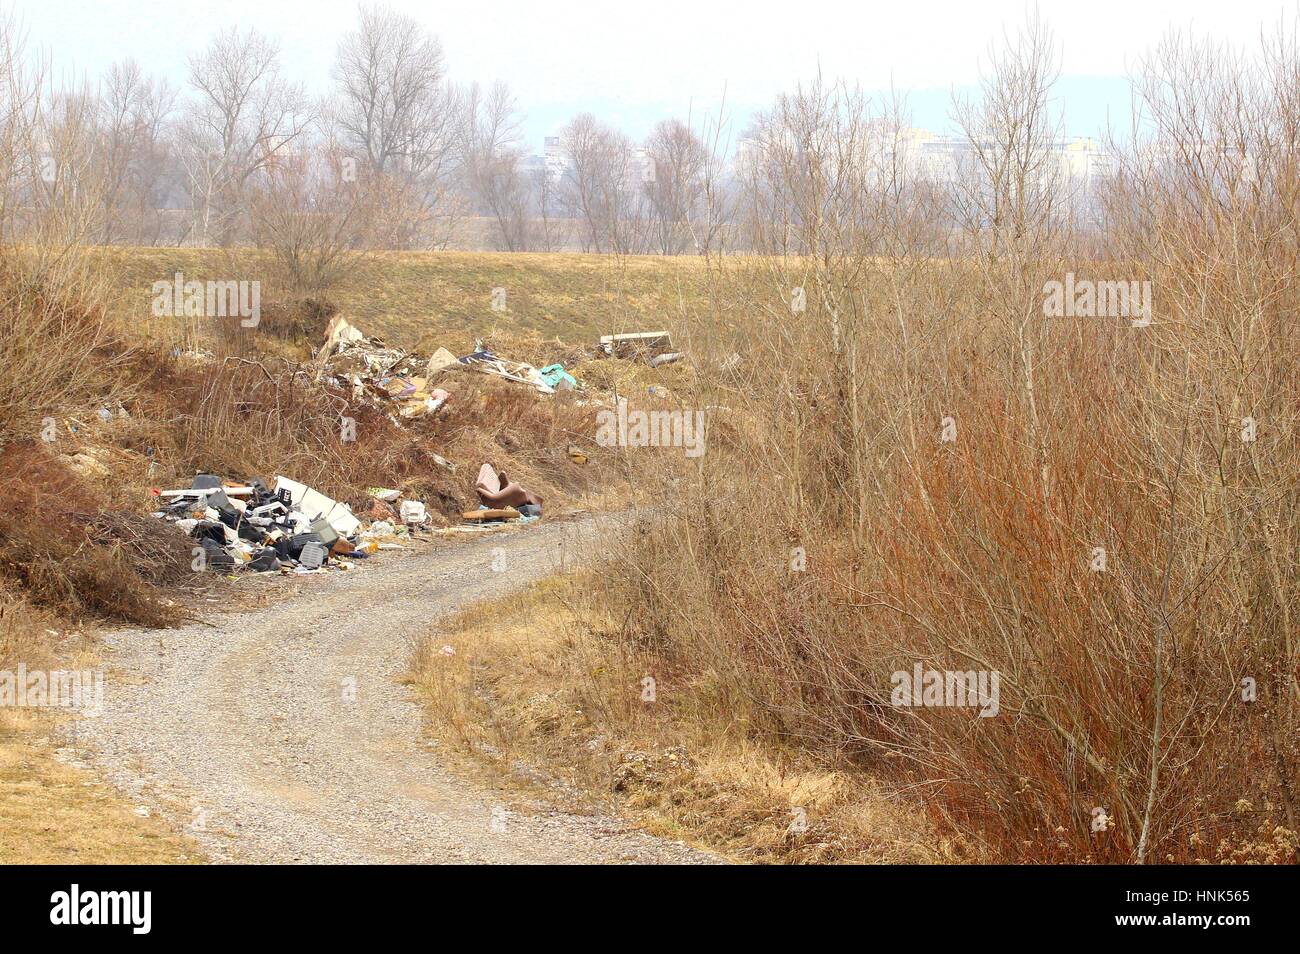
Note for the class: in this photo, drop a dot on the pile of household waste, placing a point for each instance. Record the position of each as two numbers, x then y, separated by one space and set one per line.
287 527
290 528
369 368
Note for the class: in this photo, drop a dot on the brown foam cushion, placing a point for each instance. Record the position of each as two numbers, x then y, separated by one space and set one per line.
494 494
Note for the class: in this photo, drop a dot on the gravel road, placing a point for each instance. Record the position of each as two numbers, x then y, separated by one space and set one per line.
247 731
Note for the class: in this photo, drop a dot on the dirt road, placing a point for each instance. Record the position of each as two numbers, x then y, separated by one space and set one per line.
282 735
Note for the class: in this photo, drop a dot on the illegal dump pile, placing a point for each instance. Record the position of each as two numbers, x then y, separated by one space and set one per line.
371 370
288 528
292 528
368 368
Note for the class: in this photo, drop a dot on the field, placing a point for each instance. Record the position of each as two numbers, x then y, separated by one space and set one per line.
430 299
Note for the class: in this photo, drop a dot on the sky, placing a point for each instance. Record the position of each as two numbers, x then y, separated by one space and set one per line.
635 63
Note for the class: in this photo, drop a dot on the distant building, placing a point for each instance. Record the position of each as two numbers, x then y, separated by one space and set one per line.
1081 160
1084 159
642 167
555 157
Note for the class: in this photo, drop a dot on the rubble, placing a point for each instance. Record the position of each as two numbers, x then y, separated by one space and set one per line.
368 367
338 331
488 363
291 528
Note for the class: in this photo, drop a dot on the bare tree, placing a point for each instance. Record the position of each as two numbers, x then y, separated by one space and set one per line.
1011 198
133 112
245 114
20 89
491 162
1010 188
676 189
603 186
395 106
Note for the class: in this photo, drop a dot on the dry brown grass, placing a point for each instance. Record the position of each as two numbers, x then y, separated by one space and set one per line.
430 299
54 813
66 554
59 351
548 680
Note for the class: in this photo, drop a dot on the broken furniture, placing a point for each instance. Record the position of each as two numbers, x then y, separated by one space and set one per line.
496 490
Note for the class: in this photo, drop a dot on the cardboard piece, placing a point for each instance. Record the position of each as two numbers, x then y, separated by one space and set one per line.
441 361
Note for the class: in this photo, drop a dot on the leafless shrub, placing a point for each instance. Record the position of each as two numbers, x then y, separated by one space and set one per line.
919 466
317 213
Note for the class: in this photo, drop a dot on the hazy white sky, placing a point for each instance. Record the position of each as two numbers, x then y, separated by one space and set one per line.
633 63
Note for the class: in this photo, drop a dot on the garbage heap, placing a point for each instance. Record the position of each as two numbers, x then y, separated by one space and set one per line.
286 528
371 370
